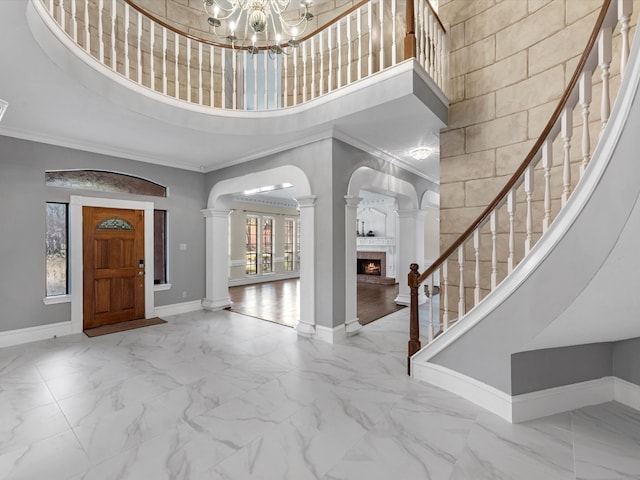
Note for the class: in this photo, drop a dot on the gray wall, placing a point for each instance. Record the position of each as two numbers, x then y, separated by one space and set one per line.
626 360
554 367
22 213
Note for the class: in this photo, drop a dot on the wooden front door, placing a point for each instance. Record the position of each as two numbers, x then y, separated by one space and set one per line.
113 250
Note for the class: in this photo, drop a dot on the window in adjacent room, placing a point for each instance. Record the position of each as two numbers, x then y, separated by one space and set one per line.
289 239
56 241
251 262
267 245
297 245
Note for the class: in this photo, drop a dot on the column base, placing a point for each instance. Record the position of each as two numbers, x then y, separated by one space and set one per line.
331 335
214 305
352 327
305 329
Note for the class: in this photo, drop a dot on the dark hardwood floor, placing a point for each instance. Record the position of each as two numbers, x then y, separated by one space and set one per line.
279 301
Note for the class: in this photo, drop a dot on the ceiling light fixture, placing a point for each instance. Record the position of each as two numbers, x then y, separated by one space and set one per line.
260 22
421 153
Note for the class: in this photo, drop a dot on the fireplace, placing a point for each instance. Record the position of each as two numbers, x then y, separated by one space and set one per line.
369 266
372 268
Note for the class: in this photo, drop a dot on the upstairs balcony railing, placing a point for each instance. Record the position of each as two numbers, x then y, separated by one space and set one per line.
370 37
505 232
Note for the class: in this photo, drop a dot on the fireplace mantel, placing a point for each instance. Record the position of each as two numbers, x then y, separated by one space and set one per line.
376 242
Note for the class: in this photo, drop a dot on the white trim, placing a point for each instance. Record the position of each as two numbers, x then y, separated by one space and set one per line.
76 203
331 335
626 393
34 334
177 308
57 299
161 287
266 277
562 399
529 406
483 395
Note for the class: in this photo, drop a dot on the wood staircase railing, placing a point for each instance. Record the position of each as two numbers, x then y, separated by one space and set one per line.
370 37
499 222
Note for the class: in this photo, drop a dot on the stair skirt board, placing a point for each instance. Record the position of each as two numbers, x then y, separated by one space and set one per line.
529 406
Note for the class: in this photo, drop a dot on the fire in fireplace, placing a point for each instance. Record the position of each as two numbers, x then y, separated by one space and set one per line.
367 266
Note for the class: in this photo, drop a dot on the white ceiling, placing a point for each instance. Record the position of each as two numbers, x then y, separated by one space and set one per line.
60 98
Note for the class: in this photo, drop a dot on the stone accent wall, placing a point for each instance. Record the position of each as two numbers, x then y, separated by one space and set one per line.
510 63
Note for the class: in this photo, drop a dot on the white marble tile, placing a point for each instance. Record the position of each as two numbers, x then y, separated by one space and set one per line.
21 396
529 451
55 458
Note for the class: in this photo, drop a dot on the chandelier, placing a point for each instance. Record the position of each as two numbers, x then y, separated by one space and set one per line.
258 24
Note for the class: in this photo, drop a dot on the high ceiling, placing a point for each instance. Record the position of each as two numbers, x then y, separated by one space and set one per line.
61 98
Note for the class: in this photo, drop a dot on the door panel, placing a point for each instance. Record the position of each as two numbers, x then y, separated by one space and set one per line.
113 244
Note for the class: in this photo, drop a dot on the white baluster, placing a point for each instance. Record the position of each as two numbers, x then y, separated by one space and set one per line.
255 81
126 41
493 226
114 62
100 30
476 249
431 322
461 302
511 210
275 80
265 91
52 9
152 59
313 67
87 31
585 102
295 77
604 61
445 295
321 52
421 34
223 83
165 74
176 40
625 8
200 85
330 69
212 59
188 69
381 36
139 48
234 78
528 190
370 29
304 72
285 63
547 163
339 45
394 45
349 52
245 54
359 33
74 21
566 133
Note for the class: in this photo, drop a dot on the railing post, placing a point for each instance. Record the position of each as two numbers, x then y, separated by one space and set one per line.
414 325
410 37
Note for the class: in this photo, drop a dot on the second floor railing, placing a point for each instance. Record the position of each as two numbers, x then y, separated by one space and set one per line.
505 232
368 38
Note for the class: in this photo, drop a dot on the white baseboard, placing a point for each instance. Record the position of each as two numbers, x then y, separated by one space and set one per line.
177 308
33 334
263 278
331 335
529 406
483 395
562 399
627 393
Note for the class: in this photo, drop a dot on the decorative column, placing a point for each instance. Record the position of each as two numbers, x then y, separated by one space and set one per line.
307 323
410 225
217 259
350 257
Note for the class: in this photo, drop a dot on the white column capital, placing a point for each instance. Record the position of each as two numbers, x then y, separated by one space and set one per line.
213 212
306 201
352 200
407 213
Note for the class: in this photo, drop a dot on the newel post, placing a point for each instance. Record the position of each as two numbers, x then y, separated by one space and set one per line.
410 37
414 326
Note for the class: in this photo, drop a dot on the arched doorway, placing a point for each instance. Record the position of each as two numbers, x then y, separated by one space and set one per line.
217 237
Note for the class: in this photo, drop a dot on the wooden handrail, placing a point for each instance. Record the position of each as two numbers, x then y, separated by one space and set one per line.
499 198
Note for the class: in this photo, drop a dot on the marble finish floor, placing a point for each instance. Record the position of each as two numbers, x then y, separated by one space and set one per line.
217 395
